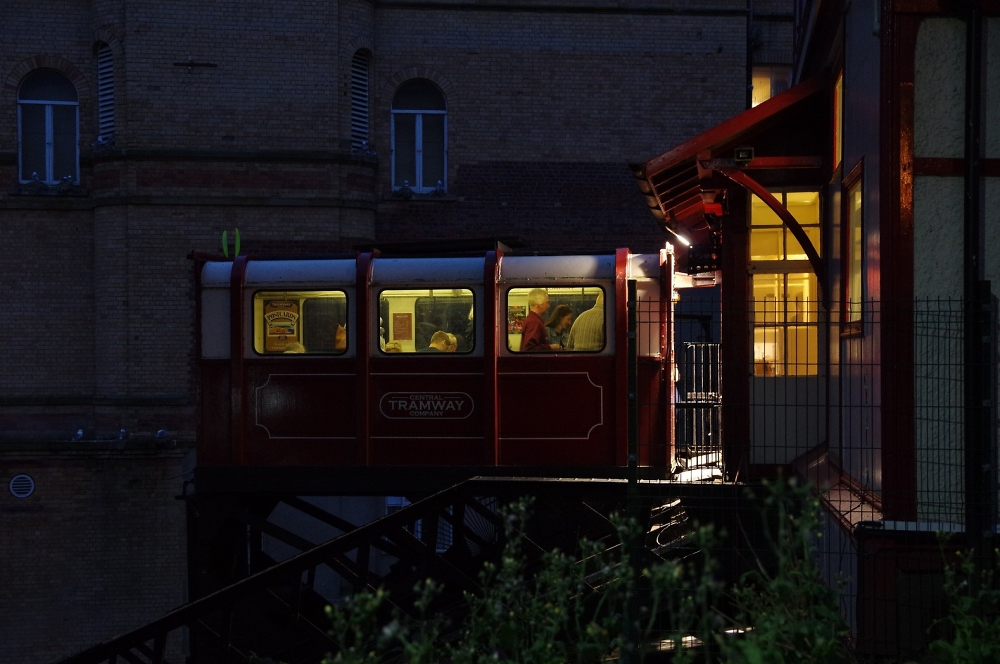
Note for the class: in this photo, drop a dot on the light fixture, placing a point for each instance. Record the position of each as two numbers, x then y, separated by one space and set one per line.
743 156
684 240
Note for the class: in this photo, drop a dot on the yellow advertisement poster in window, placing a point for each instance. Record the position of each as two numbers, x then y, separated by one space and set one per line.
281 325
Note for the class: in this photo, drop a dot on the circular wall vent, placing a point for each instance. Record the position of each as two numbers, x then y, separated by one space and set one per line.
21 486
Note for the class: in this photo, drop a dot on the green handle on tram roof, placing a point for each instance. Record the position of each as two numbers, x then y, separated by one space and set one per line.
225 243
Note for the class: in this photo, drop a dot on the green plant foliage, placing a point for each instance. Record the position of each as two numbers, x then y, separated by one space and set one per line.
973 617
568 610
683 595
607 601
356 629
788 613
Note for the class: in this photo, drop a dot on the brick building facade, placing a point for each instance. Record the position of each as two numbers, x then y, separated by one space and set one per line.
195 118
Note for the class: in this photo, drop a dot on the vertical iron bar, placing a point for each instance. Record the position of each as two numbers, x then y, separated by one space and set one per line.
633 365
975 406
630 649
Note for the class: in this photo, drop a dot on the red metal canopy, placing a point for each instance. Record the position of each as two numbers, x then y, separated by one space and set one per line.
789 132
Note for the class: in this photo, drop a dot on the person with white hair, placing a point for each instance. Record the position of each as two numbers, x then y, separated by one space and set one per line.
534 335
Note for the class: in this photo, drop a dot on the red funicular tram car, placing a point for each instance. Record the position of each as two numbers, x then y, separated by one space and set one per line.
339 363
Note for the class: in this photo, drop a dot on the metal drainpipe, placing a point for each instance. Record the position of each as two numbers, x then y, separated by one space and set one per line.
977 360
749 99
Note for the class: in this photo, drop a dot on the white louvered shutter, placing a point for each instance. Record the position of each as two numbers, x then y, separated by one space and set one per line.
360 66
105 93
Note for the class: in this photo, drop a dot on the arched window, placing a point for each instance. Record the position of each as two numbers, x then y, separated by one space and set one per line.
360 77
419 137
48 128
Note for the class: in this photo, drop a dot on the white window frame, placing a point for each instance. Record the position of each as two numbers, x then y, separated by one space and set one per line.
419 149
49 177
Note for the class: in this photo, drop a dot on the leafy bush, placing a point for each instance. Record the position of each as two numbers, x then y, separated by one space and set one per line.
790 615
604 603
973 617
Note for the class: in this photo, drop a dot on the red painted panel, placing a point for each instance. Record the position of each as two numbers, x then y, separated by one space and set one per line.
491 274
557 410
570 393
652 413
898 458
621 360
304 405
301 413
892 568
428 411
214 423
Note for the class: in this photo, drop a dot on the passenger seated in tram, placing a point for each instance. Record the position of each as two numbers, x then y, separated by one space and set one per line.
452 343
558 325
588 330
470 329
425 330
439 343
340 339
534 334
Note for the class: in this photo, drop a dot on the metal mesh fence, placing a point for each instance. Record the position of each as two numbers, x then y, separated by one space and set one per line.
877 412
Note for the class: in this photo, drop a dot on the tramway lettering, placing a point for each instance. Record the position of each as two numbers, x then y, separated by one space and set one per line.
445 405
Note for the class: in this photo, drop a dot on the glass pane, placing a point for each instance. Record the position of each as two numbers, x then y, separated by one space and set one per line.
324 323
854 259
804 206
768 351
761 85
64 142
404 150
433 150
557 319
297 322
47 85
427 320
801 306
803 352
761 214
795 250
768 299
765 244
32 141
780 79
418 95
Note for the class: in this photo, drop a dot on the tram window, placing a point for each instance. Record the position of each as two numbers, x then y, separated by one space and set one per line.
295 322
426 320
574 319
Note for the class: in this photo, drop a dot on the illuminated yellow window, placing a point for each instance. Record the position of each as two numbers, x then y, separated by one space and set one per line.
768 82
784 287
300 322
571 319
427 320
853 252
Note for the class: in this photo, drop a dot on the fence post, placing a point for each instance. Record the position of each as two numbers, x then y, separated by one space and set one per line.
980 422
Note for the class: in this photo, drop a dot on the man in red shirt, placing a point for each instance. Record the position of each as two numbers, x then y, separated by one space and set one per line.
534 335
